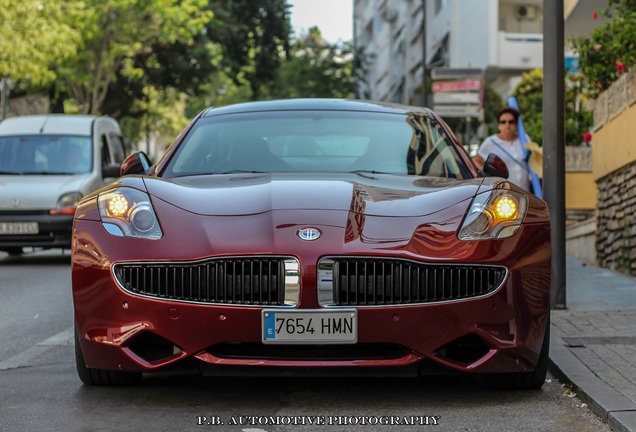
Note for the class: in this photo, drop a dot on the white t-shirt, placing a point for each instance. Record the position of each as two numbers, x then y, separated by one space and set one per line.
517 173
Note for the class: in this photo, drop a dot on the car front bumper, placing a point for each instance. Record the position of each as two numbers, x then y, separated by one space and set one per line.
54 231
119 330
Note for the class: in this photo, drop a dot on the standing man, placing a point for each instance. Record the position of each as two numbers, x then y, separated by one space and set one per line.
506 145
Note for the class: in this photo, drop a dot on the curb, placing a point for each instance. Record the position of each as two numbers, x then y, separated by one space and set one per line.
604 401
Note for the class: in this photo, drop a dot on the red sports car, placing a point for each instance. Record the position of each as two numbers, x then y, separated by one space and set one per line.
312 237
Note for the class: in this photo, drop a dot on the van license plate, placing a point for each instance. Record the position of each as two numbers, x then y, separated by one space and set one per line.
310 326
19 228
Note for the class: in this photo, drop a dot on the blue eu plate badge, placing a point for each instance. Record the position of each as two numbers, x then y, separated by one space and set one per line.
270 327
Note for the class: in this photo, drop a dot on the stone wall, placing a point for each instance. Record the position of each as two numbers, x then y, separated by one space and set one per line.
614 167
616 217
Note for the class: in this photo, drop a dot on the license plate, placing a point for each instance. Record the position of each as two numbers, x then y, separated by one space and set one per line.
19 228
310 326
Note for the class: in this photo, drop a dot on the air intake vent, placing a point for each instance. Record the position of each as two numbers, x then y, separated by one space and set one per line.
262 281
367 281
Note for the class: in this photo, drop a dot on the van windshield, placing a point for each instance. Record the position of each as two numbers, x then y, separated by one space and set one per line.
45 154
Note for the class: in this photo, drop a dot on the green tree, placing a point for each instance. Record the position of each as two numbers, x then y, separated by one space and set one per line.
492 104
245 40
34 36
210 71
610 49
114 33
314 68
254 38
529 94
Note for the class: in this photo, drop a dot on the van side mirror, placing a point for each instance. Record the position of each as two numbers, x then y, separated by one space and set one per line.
110 171
495 167
136 163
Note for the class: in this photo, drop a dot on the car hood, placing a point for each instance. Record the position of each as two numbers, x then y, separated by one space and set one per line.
369 194
28 192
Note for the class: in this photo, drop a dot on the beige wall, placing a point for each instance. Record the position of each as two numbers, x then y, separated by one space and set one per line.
615 144
580 190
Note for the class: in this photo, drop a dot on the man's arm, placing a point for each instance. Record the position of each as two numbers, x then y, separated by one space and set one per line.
479 161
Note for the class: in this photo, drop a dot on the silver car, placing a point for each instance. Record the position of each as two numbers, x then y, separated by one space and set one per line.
47 164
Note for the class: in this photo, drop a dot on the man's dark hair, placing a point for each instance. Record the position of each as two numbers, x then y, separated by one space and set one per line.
508 110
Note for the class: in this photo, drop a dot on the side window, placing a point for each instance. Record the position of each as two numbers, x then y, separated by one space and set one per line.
117 147
106 160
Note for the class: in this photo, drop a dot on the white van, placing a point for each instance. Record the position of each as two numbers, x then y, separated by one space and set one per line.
47 164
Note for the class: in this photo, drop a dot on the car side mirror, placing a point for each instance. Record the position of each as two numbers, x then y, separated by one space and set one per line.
110 171
136 163
495 167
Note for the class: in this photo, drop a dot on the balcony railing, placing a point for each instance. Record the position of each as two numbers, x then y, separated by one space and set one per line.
519 50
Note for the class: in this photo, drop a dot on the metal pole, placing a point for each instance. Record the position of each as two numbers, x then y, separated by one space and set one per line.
424 81
554 141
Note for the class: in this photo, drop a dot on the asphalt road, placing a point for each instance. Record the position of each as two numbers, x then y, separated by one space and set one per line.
40 391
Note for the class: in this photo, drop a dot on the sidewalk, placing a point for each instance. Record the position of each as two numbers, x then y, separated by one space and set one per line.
593 342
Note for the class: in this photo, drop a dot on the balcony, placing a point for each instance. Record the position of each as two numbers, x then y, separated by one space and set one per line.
519 51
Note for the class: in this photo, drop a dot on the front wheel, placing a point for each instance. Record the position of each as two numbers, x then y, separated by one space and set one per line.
101 377
524 380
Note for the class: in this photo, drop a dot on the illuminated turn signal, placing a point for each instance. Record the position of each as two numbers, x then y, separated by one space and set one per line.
506 208
117 205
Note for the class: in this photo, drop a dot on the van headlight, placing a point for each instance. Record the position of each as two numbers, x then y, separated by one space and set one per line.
128 212
66 204
493 215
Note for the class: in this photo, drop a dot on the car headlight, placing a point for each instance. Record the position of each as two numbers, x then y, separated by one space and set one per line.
128 212
493 215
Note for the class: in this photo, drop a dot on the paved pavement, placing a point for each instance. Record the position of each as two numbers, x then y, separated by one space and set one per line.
593 343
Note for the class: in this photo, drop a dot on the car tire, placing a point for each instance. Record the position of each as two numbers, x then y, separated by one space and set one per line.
101 377
524 380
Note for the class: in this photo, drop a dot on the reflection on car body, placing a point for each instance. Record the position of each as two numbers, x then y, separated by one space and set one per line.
312 236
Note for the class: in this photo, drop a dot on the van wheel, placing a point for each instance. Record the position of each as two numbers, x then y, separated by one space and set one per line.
101 377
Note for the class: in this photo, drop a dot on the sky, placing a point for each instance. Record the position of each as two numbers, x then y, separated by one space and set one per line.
334 18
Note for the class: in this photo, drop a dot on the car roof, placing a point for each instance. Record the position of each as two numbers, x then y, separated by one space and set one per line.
53 124
317 104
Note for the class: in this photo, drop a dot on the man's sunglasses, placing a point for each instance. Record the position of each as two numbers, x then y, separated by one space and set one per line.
507 121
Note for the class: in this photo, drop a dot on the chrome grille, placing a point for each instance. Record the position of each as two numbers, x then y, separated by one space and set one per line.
366 281
238 280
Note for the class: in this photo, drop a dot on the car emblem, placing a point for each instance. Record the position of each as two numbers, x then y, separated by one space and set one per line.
309 234
15 202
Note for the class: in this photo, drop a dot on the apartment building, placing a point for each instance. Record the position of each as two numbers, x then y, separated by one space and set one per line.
401 39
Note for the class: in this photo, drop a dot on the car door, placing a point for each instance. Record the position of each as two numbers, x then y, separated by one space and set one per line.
113 153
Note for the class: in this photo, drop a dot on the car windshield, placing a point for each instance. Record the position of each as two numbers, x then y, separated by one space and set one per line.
45 154
318 141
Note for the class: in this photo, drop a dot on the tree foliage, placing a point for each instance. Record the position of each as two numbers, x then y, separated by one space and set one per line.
153 64
610 49
314 68
118 30
254 38
36 35
529 94
205 71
